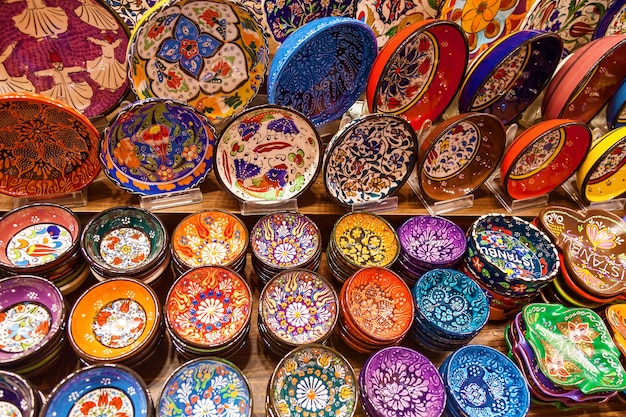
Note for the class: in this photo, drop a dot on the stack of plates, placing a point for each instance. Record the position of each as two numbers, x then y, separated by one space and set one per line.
450 310
283 241
359 240
43 240
208 311
297 307
19 397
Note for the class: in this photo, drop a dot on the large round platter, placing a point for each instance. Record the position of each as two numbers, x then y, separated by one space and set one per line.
267 154
70 50
156 146
46 147
210 53
321 69
369 159
506 78
418 72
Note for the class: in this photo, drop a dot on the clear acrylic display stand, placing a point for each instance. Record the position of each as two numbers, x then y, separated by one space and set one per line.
377 206
173 199
73 199
494 184
571 189
252 208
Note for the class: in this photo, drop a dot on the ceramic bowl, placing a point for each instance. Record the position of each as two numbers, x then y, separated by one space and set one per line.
55 153
418 72
507 77
616 319
586 81
321 69
612 21
543 157
200 52
19 397
156 146
207 385
70 51
370 159
107 388
602 175
124 241
616 108
131 12
459 155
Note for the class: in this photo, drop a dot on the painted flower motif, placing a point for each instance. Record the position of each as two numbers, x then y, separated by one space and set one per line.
155 31
580 332
107 405
190 152
213 253
157 137
297 314
297 158
210 311
477 14
189 47
165 173
556 365
312 394
600 238
124 154
172 80
285 252
475 394
204 407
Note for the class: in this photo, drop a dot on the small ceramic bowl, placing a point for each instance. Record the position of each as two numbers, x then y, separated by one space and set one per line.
543 157
321 69
106 389
418 72
370 159
586 81
459 155
616 108
507 77
612 21
19 397
602 175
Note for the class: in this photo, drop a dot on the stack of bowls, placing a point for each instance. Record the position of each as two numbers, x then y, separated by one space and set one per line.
511 260
19 396
282 241
360 240
116 321
126 242
296 308
209 238
43 240
32 324
450 310
375 310
428 242
208 312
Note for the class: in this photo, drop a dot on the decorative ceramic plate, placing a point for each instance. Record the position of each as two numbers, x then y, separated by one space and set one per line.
315 380
210 53
369 159
616 108
543 157
101 390
459 155
432 240
602 175
208 306
616 318
157 146
18 398
574 21
206 386
574 347
613 21
321 69
46 147
299 307
69 50
209 238
268 153
415 380
418 72
485 22
511 74
114 319
131 11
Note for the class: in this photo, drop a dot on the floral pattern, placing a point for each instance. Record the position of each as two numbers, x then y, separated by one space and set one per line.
23 326
119 323
609 164
38 244
125 247
617 24
539 154
131 11
104 401
10 410
453 152
503 78
432 240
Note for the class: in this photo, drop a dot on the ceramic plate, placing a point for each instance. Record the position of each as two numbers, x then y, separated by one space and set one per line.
157 146
418 72
131 11
69 50
206 386
46 147
511 74
18 398
268 153
543 157
210 53
369 159
321 69
613 21
432 240
459 155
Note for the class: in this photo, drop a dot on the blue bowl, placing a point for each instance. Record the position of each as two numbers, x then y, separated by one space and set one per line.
616 109
610 23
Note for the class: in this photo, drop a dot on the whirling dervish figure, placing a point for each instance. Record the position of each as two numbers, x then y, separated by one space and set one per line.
76 94
96 16
40 21
105 70
10 84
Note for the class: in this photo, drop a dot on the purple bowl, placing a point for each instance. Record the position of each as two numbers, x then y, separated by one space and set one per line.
18 396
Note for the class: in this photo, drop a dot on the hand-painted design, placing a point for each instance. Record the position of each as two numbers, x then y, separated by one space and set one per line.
125 247
574 21
23 326
38 244
617 25
8 83
432 240
10 410
210 53
514 255
366 240
40 20
103 401
609 164
453 153
106 70
539 155
119 323
503 79
131 11
410 71
94 15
